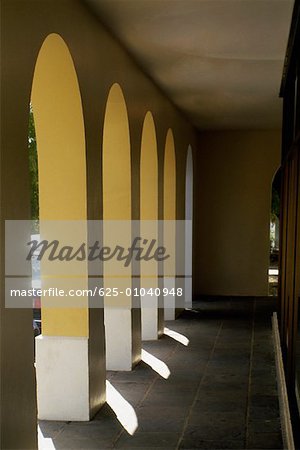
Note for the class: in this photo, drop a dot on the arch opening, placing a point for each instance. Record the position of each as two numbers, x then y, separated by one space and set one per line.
116 172
62 352
189 227
59 126
274 234
149 225
169 223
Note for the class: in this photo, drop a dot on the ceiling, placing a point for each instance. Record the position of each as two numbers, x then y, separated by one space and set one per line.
219 61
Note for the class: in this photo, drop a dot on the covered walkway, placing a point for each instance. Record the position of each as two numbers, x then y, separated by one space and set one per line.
149 132
211 386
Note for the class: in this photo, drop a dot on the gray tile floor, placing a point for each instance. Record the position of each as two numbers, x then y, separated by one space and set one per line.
217 392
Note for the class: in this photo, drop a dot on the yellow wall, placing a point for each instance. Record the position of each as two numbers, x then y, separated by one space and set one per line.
170 204
169 178
233 174
149 195
116 158
60 136
116 178
149 171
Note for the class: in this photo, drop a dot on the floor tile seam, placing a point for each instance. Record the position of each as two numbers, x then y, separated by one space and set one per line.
199 387
250 375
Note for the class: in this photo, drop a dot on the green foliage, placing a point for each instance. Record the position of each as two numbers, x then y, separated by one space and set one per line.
33 170
275 206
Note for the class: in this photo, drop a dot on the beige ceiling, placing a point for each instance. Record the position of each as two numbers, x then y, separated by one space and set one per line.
219 61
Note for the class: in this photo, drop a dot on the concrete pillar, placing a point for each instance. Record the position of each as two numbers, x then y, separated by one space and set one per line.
149 227
122 323
170 227
188 285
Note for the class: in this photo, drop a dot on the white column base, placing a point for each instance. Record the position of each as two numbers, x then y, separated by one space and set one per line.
118 336
169 300
62 373
149 317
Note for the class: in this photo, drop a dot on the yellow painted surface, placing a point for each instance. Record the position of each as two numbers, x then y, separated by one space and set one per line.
60 135
116 193
170 204
116 158
232 214
148 171
149 196
169 178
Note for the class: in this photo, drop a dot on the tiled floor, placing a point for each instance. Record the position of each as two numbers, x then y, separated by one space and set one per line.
211 385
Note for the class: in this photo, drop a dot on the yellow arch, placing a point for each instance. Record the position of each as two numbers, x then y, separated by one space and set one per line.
149 171
116 158
59 124
170 204
149 224
117 229
149 193
116 191
189 226
169 178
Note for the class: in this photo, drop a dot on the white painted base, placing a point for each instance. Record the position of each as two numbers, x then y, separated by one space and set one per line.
169 300
62 378
149 317
118 336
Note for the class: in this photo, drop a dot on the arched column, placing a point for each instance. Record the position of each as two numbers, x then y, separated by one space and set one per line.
149 226
120 328
169 224
188 227
68 386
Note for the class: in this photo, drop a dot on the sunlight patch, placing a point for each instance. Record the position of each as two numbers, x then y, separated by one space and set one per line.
156 364
124 411
177 336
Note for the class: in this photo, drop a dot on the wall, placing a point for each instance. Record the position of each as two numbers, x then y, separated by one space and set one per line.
233 175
